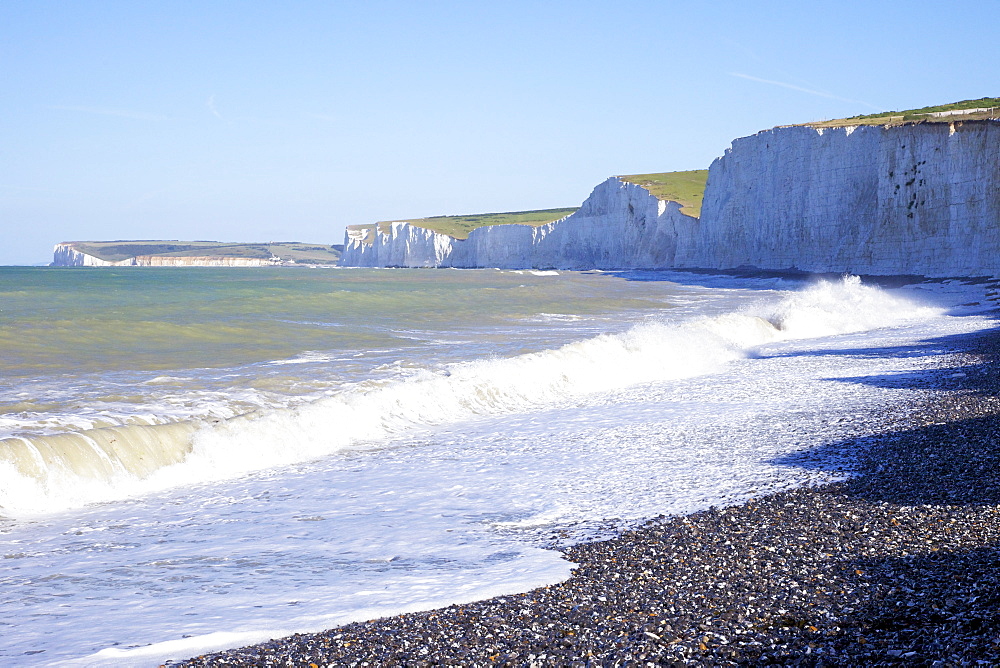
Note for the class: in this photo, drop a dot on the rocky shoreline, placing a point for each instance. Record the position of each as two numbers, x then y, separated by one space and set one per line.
898 566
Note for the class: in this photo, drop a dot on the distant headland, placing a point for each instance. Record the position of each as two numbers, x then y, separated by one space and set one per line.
192 254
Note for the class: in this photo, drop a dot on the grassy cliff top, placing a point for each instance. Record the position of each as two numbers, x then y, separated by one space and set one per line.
292 251
460 226
966 110
686 188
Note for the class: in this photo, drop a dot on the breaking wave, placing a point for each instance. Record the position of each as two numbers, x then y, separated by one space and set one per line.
47 473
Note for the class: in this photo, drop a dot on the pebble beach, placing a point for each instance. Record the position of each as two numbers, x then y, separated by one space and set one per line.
899 565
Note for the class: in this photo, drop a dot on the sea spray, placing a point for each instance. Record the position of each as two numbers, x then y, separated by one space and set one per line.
839 307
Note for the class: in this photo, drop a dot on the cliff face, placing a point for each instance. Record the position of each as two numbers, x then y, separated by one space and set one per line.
902 199
620 226
403 246
65 255
908 199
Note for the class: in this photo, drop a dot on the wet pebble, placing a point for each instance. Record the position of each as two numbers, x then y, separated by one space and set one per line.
898 566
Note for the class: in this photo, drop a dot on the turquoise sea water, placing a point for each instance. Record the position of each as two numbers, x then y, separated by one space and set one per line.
201 458
97 348
58 320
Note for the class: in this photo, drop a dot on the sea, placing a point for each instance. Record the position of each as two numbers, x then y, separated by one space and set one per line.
193 459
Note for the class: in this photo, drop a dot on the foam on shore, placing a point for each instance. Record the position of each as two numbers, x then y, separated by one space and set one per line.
44 474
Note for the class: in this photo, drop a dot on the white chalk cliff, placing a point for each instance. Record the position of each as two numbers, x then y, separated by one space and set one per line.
907 199
66 255
916 198
621 225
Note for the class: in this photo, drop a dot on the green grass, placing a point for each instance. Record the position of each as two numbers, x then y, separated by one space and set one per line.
116 251
686 188
459 227
909 115
305 253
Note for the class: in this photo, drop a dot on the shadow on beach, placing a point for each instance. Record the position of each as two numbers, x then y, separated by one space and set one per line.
899 565
947 450
920 525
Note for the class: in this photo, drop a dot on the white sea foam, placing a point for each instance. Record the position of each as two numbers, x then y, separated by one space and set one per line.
369 413
435 483
400 597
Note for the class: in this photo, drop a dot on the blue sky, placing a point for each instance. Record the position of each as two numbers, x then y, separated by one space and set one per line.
257 121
